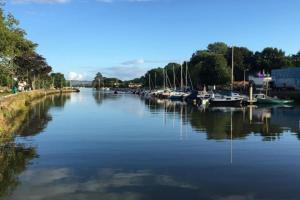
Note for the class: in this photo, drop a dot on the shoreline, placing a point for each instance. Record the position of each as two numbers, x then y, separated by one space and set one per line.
14 107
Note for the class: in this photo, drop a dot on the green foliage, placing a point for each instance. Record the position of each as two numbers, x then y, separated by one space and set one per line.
296 59
98 80
243 61
18 57
218 48
271 58
210 69
58 80
213 65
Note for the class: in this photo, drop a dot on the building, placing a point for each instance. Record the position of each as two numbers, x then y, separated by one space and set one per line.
287 78
134 85
260 80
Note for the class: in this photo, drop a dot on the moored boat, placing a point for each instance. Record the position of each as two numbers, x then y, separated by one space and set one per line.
222 100
263 99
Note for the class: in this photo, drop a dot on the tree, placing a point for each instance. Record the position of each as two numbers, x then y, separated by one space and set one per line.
214 70
218 48
243 59
18 57
97 80
58 80
272 58
208 68
296 59
32 67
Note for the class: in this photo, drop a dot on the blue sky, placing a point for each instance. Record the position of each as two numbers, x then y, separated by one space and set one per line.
125 38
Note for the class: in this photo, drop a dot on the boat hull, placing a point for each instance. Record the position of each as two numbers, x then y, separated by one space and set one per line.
274 101
176 98
225 103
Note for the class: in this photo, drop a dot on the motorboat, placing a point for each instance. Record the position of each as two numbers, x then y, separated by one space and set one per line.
264 99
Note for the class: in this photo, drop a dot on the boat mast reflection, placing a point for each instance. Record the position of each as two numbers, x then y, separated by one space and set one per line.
268 122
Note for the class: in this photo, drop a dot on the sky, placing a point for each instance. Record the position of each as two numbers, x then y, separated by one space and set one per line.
125 38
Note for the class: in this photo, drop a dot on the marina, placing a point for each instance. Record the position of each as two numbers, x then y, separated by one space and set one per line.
123 146
149 100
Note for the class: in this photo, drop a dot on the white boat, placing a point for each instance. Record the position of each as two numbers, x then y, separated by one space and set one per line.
178 95
224 100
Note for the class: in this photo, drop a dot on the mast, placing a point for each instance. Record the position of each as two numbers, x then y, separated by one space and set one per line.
164 78
174 79
149 82
181 77
232 66
186 75
231 137
155 80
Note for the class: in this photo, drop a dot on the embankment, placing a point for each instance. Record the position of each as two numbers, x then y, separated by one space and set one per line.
14 109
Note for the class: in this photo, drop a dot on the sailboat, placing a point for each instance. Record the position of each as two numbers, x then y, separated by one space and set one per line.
179 95
232 99
204 96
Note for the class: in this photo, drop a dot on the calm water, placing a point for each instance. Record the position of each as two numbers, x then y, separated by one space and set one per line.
104 146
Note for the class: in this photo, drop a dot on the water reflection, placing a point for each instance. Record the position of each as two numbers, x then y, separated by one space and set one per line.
14 156
108 184
101 96
14 159
269 122
38 116
131 149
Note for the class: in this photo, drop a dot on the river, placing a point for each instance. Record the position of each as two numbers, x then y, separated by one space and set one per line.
93 145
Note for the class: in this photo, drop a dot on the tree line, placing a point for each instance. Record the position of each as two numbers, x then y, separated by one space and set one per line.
212 66
19 60
100 81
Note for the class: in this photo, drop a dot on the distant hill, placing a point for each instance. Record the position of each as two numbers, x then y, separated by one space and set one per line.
76 83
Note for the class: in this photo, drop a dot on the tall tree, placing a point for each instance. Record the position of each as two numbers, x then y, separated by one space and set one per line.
243 60
58 80
272 58
32 67
209 69
296 59
218 48
97 80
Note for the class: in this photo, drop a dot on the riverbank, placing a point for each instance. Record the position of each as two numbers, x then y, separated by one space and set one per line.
14 107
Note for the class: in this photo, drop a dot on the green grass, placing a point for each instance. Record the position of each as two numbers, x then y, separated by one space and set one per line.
2 94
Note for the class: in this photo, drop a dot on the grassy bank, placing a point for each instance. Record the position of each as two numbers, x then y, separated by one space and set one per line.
14 109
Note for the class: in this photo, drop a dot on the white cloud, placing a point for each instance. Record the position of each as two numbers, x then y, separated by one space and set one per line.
75 76
134 62
41 1
124 73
